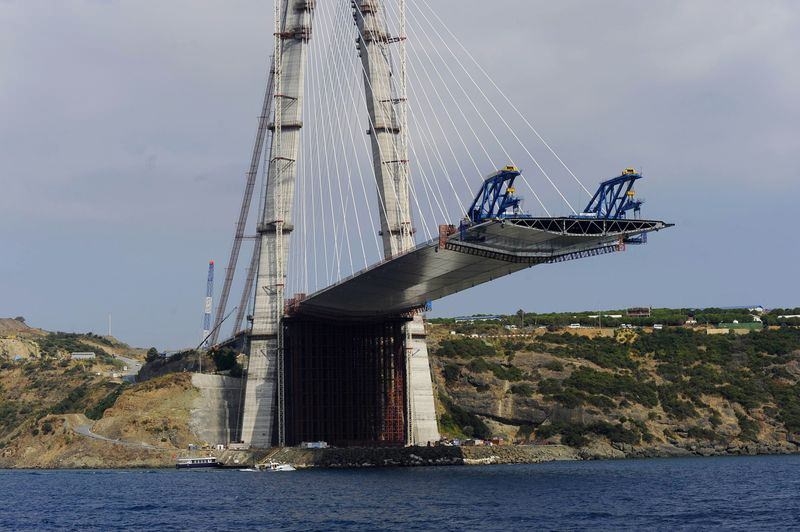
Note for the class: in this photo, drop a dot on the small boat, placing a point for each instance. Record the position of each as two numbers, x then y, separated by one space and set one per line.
275 466
194 463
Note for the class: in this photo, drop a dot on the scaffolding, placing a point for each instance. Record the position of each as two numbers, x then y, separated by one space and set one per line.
345 382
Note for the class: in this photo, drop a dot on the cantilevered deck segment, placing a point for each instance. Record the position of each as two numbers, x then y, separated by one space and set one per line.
471 255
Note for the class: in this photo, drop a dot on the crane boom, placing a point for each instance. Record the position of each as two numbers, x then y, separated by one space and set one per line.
252 173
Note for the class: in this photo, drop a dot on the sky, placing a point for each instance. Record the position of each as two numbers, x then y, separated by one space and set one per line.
126 129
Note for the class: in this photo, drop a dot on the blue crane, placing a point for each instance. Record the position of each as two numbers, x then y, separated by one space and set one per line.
493 200
614 198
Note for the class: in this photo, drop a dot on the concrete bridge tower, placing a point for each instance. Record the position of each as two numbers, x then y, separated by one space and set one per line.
264 414
386 104
263 393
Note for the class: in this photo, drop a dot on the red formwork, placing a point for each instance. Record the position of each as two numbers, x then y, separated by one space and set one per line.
345 381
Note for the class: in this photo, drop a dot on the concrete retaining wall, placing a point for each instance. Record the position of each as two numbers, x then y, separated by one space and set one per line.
216 411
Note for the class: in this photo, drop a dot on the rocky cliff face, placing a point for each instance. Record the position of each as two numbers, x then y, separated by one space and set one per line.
668 392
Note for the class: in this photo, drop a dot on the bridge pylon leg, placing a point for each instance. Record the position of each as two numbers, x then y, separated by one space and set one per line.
259 394
422 426
261 425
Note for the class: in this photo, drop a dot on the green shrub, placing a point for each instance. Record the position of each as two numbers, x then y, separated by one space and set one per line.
152 355
748 427
224 359
600 401
700 433
574 438
575 434
616 433
72 402
525 431
451 372
457 421
603 383
788 400
549 386
478 365
61 343
569 397
465 348
546 431
748 392
96 411
506 372
678 408
554 365
522 389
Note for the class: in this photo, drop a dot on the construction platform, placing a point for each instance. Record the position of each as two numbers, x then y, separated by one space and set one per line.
346 381
466 256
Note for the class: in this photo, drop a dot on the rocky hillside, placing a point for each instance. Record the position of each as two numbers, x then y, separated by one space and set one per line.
42 379
623 392
602 393
17 339
13 326
59 412
146 427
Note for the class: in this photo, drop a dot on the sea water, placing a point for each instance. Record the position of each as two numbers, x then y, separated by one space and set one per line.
747 493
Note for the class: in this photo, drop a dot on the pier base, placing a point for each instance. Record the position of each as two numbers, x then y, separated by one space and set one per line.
345 382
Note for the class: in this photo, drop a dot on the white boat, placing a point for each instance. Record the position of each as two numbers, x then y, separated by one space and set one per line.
193 463
275 466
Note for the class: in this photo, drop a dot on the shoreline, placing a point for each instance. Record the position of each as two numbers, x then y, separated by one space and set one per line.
359 457
378 457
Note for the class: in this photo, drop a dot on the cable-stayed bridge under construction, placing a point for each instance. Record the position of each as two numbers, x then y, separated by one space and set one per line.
336 351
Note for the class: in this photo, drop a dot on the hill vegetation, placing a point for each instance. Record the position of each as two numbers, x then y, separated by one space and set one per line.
615 318
45 381
612 391
56 411
677 387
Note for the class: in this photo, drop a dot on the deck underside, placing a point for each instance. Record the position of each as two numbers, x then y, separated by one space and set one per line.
467 258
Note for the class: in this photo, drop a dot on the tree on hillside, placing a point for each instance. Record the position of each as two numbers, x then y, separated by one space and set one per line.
152 354
20 319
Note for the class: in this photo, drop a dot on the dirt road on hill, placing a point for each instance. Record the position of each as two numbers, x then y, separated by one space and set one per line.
80 424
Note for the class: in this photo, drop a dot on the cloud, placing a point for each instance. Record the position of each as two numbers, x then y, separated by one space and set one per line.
127 127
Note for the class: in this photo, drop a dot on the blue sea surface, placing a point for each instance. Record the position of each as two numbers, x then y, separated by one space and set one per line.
729 493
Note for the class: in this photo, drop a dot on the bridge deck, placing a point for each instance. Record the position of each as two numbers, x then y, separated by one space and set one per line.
469 257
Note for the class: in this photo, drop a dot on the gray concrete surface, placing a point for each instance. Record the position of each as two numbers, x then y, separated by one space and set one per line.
215 412
133 365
